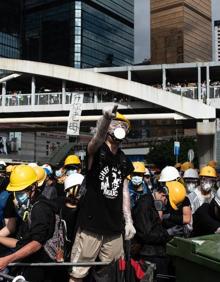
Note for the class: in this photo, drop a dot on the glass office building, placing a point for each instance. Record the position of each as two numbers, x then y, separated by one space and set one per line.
80 34
10 28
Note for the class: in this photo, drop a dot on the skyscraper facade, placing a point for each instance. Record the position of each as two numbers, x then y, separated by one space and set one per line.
181 31
10 28
81 34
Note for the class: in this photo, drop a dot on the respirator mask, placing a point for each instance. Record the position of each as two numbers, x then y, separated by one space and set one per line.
190 186
118 130
206 184
22 204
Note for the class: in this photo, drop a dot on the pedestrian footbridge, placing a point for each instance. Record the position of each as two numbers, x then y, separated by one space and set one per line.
99 90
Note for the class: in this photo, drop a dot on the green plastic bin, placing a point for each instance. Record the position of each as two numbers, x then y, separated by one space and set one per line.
196 259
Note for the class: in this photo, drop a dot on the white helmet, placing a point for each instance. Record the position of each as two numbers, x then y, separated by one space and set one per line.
217 197
73 180
169 173
191 173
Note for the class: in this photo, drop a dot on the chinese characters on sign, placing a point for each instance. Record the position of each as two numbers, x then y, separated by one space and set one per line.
73 126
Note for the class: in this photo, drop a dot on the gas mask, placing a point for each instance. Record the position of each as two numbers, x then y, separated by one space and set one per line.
118 130
136 180
22 204
206 184
190 186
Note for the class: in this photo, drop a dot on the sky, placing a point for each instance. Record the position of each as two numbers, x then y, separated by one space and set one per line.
216 9
142 30
142 27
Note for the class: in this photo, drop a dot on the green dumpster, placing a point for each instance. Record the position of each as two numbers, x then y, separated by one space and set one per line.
196 259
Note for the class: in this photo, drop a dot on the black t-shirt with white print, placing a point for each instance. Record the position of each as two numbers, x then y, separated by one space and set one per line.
101 210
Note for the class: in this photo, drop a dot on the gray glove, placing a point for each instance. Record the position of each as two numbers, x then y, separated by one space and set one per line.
176 230
109 112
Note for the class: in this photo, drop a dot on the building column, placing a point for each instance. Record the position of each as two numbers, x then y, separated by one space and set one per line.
164 78
33 89
207 84
129 74
3 93
63 92
206 131
199 83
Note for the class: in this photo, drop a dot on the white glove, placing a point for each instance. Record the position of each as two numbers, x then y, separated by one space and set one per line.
129 231
109 112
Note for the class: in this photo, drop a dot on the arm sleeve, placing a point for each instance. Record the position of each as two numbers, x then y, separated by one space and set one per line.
126 203
10 208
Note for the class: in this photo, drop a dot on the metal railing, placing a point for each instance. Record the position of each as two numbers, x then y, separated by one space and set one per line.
58 98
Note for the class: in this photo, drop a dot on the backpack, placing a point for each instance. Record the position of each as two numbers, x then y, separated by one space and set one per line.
54 247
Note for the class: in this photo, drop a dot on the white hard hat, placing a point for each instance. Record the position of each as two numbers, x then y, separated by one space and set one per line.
169 173
191 173
217 197
73 180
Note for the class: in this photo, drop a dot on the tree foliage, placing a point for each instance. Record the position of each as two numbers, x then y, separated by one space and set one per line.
162 154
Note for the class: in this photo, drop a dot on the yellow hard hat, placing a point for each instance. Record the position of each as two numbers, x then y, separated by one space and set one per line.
72 160
212 163
139 167
208 171
21 177
186 166
41 175
177 193
122 118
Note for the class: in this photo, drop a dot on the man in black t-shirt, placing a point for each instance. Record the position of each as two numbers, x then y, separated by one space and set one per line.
106 205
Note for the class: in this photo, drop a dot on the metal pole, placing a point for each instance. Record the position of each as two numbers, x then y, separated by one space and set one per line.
60 263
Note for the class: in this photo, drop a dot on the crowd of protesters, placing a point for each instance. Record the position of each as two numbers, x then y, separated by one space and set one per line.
115 207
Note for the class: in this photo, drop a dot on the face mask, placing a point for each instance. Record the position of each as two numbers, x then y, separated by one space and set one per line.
190 186
59 173
206 185
137 180
71 171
